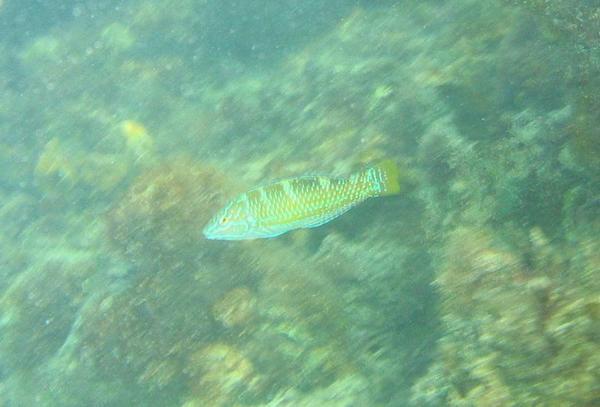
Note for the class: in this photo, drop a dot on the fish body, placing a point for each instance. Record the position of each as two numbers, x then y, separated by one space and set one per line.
301 202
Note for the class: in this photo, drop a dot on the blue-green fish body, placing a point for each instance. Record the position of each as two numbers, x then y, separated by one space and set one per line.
302 202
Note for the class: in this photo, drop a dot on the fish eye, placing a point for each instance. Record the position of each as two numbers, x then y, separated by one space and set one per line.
224 219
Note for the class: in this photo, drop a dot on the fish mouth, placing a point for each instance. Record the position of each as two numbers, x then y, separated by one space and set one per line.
211 234
208 232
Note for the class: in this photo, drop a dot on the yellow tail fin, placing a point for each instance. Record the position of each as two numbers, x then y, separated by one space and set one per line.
386 177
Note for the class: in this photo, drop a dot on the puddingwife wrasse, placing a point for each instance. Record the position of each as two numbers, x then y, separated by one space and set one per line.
302 202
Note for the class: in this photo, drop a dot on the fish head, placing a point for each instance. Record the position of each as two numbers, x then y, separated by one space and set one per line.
232 222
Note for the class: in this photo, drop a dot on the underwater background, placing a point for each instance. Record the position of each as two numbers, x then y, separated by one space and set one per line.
125 125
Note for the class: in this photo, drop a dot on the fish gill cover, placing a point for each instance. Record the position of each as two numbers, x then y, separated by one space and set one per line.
124 126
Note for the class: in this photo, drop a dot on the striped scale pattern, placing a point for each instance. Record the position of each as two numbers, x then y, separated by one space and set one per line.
306 201
302 202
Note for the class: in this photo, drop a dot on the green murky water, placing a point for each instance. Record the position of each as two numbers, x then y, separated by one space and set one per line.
124 125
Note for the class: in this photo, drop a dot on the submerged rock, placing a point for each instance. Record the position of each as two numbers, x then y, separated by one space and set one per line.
235 308
163 213
219 375
508 339
39 308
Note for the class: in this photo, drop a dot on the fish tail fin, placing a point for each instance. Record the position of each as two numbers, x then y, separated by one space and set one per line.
385 177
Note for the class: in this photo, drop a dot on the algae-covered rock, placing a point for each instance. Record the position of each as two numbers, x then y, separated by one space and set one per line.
583 129
500 119
39 308
483 68
507 338
161 216
142 334
517 180
291 353
16 212
235 308
117 37
143 331
66 173
348 390
220 374
14 164
569 19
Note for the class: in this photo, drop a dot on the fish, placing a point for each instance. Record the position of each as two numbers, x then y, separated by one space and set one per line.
301 202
